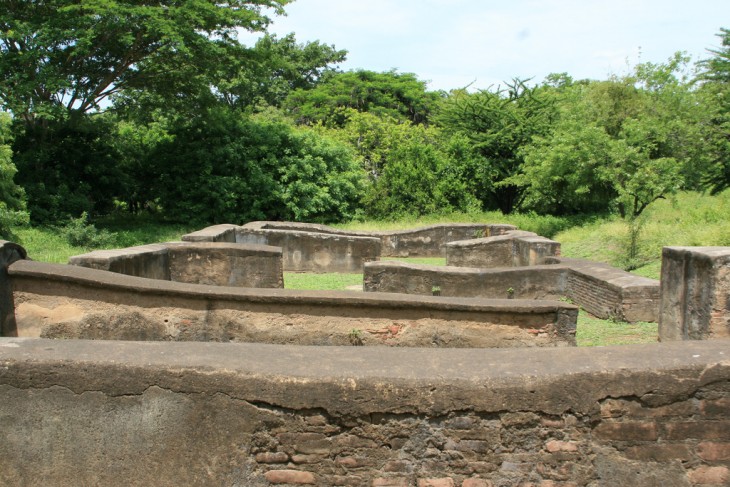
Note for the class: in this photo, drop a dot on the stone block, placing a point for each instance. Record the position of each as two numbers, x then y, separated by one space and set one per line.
695 293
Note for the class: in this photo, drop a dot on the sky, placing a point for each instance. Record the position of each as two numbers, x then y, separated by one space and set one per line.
483 43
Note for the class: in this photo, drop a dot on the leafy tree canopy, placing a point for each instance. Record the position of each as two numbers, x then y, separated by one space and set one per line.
268 72
398 95
61 56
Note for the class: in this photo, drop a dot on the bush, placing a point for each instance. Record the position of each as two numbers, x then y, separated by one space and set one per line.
78 232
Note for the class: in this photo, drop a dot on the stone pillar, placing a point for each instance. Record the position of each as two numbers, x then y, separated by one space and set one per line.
695 293
9 253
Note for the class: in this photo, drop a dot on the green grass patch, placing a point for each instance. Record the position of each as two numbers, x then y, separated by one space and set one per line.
595 332
330 281
50 244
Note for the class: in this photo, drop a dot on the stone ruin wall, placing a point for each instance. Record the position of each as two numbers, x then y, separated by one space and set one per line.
82 412
200 414
58 301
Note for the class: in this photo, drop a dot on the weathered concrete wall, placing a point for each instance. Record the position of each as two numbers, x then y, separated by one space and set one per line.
315 252
427 241
695 294
509 249
9 253
607 292
57 301
199 414
431 241
226 264
197 262
537 282
602 290
148 261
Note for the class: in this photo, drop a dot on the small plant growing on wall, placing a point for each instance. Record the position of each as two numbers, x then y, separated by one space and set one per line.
436 290
355 337
510 292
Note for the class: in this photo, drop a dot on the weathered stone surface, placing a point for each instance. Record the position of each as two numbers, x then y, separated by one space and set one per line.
57 301
602 290
130 413
213 263
511 249
224 264
695 294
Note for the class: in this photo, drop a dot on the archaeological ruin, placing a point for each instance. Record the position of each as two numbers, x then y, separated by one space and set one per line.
187 363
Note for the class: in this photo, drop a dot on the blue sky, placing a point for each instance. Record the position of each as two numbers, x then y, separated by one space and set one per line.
452 43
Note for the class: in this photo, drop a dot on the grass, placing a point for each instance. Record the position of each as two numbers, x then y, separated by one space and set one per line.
328 281
49 244
592 332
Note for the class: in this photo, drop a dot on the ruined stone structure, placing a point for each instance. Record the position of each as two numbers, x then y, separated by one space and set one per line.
182 409
79 412
217 264
319 248
695 293
58 301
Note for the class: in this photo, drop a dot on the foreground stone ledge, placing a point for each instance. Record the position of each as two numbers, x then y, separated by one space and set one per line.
130 413
57 301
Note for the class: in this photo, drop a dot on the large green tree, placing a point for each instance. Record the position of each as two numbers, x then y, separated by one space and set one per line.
62 56
715 87
498 123
266 73
390 94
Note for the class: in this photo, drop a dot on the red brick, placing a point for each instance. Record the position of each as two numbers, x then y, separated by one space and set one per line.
272 457
289 477
627 431
664 453
307 458
701 430
390 482
554 446
709 476
716 408
713 451
399 466
442 482
477 483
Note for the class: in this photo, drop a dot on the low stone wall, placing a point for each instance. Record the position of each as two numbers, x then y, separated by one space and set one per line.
600 289
511 249
695 303
315 252
537 282
213 263
58 301
198 414
319 248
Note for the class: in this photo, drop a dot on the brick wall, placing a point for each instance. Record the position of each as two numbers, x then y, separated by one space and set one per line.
125 413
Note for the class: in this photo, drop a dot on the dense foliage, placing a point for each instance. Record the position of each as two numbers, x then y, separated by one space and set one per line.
156 107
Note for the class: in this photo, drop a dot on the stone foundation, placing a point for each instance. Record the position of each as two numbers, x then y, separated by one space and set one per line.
600 289
57 301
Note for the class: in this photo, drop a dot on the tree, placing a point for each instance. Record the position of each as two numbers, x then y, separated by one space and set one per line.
226 167
498 123
12 197
715 87
63 56
391 94
273 68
